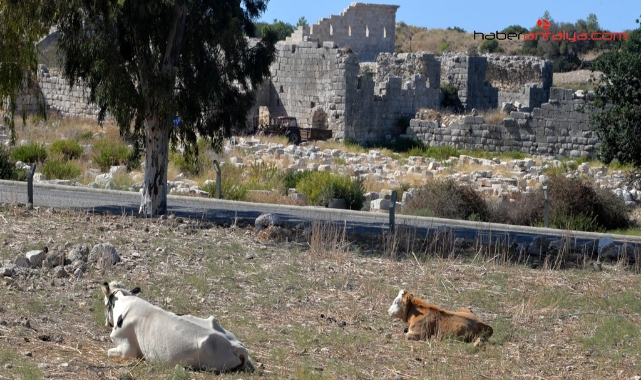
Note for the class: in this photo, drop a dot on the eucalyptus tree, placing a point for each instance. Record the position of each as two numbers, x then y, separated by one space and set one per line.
165 70
20 28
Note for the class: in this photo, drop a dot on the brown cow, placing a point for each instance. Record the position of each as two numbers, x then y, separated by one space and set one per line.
425 320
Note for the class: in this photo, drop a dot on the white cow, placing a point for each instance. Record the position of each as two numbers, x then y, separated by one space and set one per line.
142 330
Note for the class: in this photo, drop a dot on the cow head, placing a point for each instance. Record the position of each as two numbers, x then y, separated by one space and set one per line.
400 305
110 291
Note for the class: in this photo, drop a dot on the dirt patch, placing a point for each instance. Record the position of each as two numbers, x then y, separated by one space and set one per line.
574 77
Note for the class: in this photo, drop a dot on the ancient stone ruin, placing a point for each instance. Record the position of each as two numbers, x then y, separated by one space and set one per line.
341 74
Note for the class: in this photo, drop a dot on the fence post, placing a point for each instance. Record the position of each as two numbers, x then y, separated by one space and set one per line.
546 207
30 184
392 210
218 179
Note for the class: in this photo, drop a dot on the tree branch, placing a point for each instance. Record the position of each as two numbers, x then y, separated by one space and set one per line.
175 38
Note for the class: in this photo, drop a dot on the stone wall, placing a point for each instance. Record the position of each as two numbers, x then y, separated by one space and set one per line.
406 65
323 88
53 94
485 82
559 127
368 29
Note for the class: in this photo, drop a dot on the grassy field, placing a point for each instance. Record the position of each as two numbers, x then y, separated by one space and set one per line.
311 304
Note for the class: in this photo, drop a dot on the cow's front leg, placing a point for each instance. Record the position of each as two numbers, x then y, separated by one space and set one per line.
124 350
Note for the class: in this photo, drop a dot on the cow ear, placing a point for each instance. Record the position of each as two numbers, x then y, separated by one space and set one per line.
105 289
136 290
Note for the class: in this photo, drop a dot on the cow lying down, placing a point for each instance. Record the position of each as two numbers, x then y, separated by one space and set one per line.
425 320
142 330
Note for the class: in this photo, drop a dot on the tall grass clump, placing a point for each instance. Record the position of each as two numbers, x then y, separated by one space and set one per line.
320 187
446 199
109 153
56 168
31 153
232 185
67 149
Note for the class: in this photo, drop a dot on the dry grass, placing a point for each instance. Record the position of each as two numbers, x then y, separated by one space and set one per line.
438 40
315 307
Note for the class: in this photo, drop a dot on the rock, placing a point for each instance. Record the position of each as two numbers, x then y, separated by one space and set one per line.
61 273
104 255
115 170
53 259
79 252
380 204
36 257
78 273
607 249
266 220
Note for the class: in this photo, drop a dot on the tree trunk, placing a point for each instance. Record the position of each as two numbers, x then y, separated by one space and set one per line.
154 196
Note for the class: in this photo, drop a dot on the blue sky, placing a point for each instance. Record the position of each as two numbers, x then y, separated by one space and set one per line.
482 16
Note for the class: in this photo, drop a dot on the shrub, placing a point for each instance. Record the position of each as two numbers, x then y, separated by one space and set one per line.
442 46
290 180
576 204
320 187
231 186
262 176
59 169
85 136
109 153
489 46
446 199
526 210
450 98
32 153
8 168
68 149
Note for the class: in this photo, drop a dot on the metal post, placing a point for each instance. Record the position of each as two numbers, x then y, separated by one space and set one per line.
392 209
218 178
30 183
546 207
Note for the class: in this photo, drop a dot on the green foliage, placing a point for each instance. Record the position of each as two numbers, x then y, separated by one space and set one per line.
149 64
108 153
302 22
618 97
8 168
31 153
320 187
281 29
20 368
450 98
232 186
518 29
457 29
263 176
67 149
20 28
489 46
441 152
446 199
85 136
61 169
442 46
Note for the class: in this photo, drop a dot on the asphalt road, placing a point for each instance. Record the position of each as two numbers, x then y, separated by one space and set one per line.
224 211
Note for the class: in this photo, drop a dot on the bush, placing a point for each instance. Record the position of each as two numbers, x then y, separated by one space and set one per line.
59 169
446 199
450 98
489 46
29 154
320 187
109 153
8 168
68 149
526 210
576 204
231 186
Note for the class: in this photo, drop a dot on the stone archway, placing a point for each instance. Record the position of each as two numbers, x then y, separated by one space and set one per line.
318 118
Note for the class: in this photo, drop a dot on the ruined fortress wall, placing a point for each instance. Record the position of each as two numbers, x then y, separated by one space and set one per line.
487 81
406 65
512 73
308 82
559 127
53 94
374 113
368 29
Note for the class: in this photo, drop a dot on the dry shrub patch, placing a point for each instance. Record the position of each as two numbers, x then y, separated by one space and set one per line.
447 199
311 303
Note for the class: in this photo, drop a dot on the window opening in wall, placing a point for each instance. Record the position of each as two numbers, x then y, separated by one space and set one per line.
280 89
384 32
366 31
331 30
349 30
